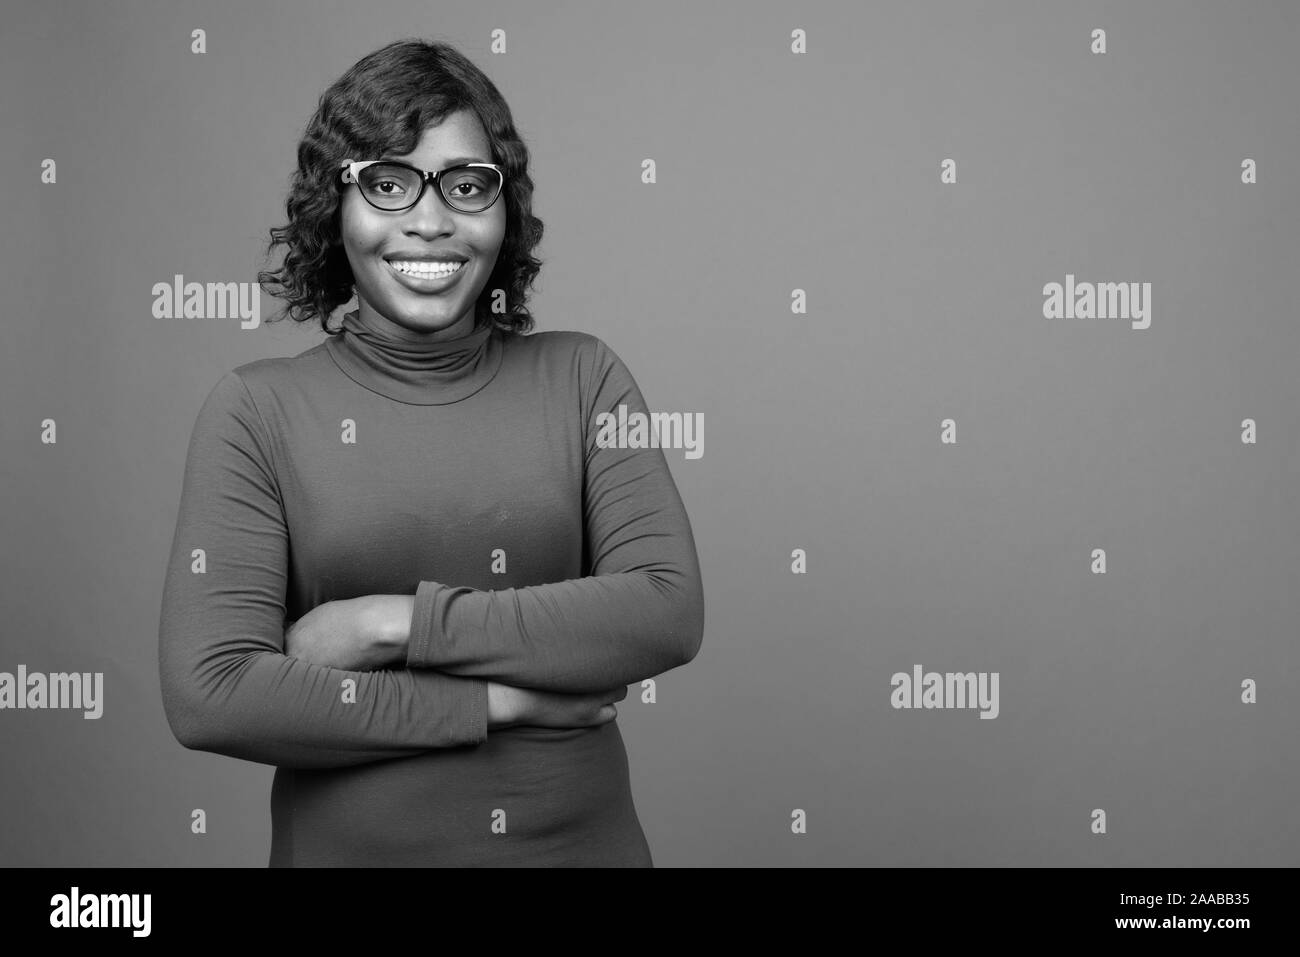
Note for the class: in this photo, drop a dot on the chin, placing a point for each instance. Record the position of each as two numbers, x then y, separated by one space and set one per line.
432 323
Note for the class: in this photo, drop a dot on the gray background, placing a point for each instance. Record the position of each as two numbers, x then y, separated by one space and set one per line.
775 172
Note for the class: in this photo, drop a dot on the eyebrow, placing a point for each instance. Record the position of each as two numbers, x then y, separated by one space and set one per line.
453 161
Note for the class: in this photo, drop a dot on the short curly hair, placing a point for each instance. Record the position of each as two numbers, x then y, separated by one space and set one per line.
383 104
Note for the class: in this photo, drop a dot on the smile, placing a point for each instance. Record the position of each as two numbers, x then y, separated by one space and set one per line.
425 270
426 277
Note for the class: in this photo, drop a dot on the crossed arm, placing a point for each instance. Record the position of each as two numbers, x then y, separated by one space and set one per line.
477 634
404 673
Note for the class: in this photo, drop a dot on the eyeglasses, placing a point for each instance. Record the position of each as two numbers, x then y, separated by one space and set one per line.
393 186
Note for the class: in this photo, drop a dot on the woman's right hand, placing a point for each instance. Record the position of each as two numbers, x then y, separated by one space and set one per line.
508 705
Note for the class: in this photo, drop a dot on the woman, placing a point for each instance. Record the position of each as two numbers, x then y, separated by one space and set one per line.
471 579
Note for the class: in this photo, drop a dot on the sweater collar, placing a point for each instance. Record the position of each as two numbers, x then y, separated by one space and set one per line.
410 367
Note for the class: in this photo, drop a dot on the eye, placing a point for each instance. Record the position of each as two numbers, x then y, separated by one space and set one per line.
468 183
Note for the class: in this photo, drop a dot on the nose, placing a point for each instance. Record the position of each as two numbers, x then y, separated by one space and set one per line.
431 215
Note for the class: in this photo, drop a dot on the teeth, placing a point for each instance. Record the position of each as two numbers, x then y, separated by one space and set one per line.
427 270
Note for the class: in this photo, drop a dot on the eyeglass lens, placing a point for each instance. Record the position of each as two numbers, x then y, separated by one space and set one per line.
470 189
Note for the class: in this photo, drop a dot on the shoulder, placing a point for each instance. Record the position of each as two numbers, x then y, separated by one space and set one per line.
558 341
588 353
278 371
228 411
580 358
264 380
247 390
581 362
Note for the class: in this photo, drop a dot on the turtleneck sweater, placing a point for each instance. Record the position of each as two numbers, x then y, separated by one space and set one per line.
464 472
411 367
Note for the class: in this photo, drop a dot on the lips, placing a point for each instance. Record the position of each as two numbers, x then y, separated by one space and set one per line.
425 285
425 257
440 269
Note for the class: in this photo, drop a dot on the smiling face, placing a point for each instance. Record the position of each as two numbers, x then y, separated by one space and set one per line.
440 308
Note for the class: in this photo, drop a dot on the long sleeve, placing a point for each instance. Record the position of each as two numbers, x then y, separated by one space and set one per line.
227 686
639 613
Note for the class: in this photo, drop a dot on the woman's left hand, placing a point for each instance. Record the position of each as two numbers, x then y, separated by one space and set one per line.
339 634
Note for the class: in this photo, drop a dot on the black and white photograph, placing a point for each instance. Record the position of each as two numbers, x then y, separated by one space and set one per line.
357 508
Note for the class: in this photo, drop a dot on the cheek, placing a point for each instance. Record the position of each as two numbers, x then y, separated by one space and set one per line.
492 239
358 232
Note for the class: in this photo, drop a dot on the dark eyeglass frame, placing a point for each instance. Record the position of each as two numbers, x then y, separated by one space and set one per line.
350 171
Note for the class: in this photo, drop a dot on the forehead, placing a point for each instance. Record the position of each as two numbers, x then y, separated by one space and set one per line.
459 138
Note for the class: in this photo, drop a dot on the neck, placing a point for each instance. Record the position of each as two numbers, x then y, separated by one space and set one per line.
413 367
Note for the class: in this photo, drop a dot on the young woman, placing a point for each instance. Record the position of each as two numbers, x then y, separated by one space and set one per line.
470 579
